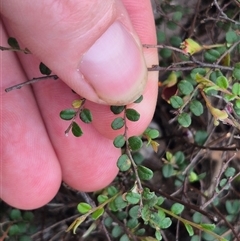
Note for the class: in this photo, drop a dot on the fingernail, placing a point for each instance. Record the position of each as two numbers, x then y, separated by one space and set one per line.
114 66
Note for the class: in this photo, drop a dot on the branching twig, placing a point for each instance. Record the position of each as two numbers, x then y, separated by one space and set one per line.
220 191
223 15
25 51
28 82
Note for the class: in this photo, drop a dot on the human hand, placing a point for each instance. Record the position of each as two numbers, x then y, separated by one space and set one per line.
95 48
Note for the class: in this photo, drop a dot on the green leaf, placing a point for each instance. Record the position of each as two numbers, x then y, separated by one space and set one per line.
177 16
231 37
158 235
171 25
222 82
167 170
132 223
160 201
147 194
236 71
76 130
230 172
134 211
124 238
28 216
176 102
177 208
161 36
132 115
144 173
117 109
208 226
212 55
118 123
165 53
102 198
197 217
201 137
133 198
169 156
15 214
140 232
119 141
97 214
139 100
67 114
237 104
112 191
124 163
14 230
44 69
13 43
86 116
151 133
196 71
117 231
189 229
185 87
145 213
175 41
179 157
184 119
138 157
196 107
25 238
193 177
166 223
232 206
120 203
108 222
135 143
236 89
83 208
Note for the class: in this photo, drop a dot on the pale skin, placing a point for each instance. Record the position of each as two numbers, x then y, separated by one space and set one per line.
35 154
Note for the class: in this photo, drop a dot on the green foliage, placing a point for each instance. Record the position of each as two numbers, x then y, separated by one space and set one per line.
117 123
13 43
67 114
44 69
205 79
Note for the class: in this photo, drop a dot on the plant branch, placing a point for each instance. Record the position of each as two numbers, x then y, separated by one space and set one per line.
223 15
28 82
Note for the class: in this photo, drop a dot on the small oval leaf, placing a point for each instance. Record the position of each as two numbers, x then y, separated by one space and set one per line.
13 43
185 87
144 173
116 109
124 163
44 69
184 120
117 123
132 115
176 102
97 214
83 208
135 143
86 116
76 130
189 229
222 82
119 141
139 99
196 107
67 114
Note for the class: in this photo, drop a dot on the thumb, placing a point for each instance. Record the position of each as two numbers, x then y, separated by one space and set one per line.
90 45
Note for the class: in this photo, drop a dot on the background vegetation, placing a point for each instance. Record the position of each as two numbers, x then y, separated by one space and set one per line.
180 181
